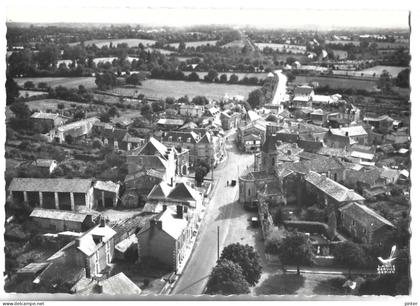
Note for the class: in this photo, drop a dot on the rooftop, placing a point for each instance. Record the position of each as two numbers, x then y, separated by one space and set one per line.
349 131
166 121
118 284
333 189
365 215
50 185
58 215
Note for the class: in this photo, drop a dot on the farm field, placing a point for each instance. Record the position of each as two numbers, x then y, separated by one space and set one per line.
194 44
70 82
161 51
30 93
373 72
131 42
45 104
240 75
279 47
393 70
235 44
336 82
177 89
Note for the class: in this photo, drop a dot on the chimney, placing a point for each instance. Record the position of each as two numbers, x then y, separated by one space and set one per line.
179 211
102 222
347 134
164 207
77 242
156 224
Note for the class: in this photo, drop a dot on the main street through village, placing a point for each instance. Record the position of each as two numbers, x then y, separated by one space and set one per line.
223 211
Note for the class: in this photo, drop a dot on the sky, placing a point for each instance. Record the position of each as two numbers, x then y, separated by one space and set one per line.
184 15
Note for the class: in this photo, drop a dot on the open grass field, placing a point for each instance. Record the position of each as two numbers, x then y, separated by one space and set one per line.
337 82
131 42
88 82
43 105
177 89
194 44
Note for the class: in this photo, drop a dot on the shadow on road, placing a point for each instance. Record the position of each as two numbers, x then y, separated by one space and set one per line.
228 211
280 284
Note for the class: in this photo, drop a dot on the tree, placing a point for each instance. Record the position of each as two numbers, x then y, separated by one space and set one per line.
223 78
28 85
211 76
295 249
21 110
403 78
350 255
256 98
246 257
181 46
42 85
200 173
146 110
113 112
158 106
133 79
226 278
200 100
193 77
278 216
105 80
12 90
233 79
385 82
69 139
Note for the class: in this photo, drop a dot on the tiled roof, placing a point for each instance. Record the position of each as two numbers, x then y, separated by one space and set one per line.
180 136
351 130
184 192
33 268
363 214
189 125
170 225
87 243
74 125
58 215
335 190
166 121
369 177
320 165
50 185
160 191
152 145
41 115
303 90
118 284
107 186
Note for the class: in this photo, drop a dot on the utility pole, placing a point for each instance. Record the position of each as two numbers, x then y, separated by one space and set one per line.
218 243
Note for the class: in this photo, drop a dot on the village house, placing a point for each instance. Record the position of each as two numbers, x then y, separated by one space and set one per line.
382 124
303 97
61 221
202 147
106 194
74 130
346 136
95 249
364 224
251 136
230 119
44 122
131 143
321 100
170 124
191 110
87 256
327 192
53 193
118 284
318 117
165 238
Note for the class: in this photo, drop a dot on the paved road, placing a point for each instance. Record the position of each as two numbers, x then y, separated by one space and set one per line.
223 211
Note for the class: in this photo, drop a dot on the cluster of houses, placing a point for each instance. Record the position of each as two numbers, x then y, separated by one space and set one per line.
327 158
67 212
